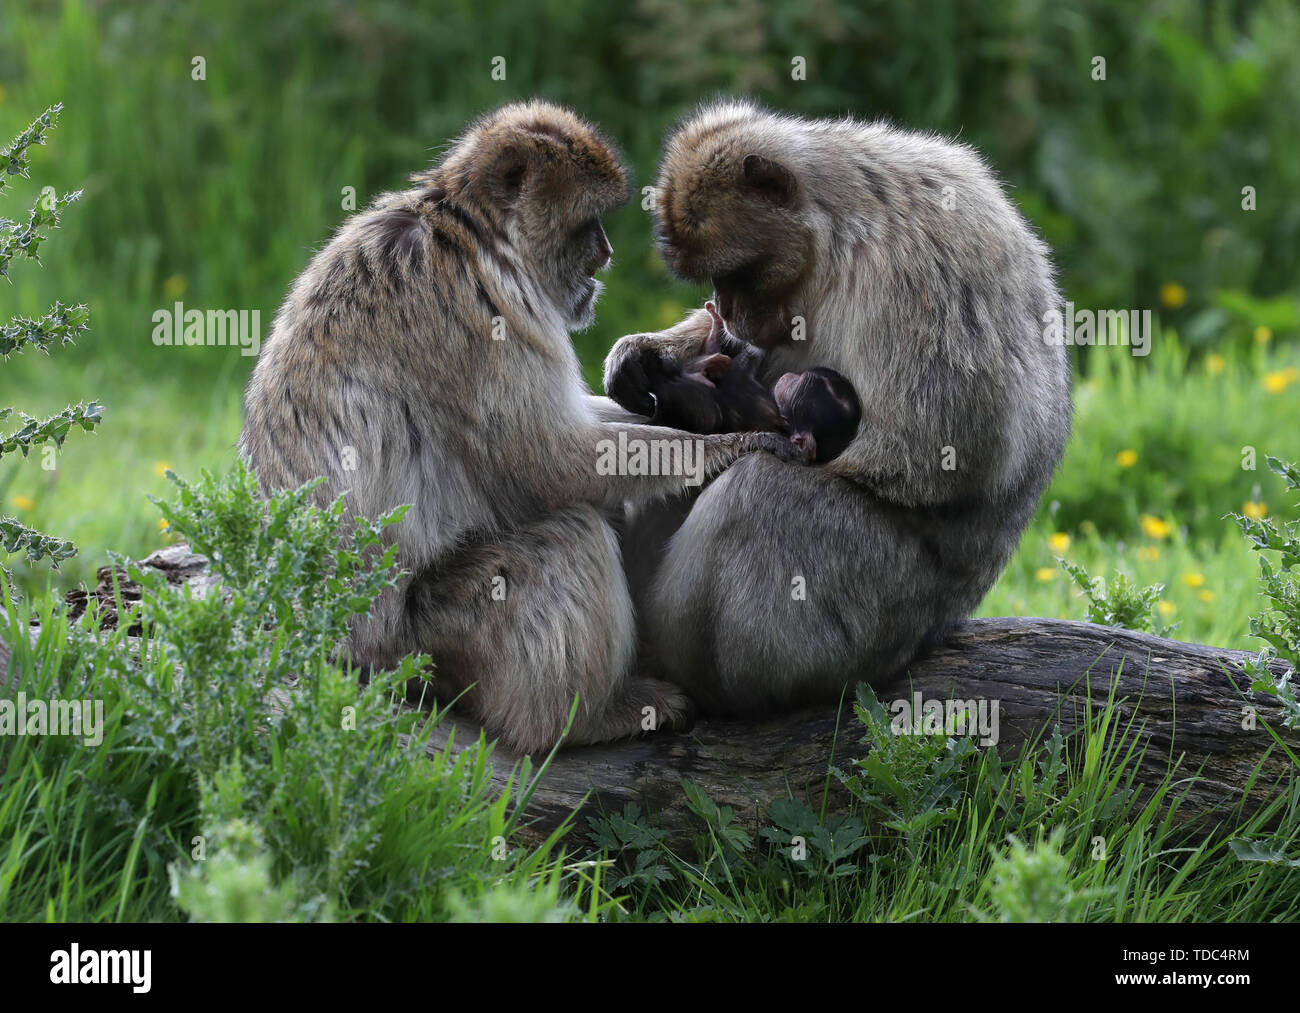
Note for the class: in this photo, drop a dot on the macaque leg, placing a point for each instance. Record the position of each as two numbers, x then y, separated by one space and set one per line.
528 620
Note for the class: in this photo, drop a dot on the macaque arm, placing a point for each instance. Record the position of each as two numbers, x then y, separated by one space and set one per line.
613 463
604 409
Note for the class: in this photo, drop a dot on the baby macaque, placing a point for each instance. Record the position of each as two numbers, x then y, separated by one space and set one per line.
719 392
821 411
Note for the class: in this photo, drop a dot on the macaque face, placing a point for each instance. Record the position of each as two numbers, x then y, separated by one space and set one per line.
821 409
755 313
738 219
584 252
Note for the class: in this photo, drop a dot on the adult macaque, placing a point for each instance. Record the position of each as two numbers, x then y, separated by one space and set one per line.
895 259
423 358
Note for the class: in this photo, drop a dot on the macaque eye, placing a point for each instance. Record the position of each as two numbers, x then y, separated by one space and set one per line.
584 236
591 244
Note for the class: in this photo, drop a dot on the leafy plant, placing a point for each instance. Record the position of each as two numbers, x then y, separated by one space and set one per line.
1254 851
307 796
722 833
1278 624
1120 602
18 240
237 883
629 835
817 846
910 783
1032 883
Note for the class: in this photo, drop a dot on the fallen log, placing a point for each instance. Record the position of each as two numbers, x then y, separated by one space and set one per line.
1041 672
1188 704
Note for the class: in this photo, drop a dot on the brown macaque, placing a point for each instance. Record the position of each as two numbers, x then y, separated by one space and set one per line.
933 309
423 358
719 392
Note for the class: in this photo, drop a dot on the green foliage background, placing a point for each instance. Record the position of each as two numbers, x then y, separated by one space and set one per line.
216 192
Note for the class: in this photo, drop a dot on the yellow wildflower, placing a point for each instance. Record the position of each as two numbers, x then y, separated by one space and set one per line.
1173 295
1154 527
1280 379
1253 509
1059 542
1046 573
1126 458
1148 553
1167 608
1263 335
1206 596
1194 579
160 469
24 503
1214 364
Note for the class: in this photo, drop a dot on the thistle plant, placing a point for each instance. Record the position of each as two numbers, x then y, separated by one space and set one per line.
1278 624
1121 602
60 326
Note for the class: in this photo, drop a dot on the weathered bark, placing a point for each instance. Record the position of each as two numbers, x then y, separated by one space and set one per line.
1181 698
1041 672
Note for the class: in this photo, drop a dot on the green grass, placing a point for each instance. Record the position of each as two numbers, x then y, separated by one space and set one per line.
86 837
91 832
940 831
1060 834
1187 426
218 795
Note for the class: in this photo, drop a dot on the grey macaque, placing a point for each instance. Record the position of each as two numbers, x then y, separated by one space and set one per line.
894 258
423 358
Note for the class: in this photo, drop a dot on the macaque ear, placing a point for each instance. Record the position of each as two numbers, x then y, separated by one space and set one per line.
770 178
508 174
806 442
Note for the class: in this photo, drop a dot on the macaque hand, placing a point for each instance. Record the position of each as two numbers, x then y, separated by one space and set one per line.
637 360
778 445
